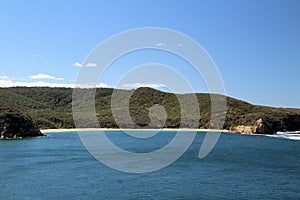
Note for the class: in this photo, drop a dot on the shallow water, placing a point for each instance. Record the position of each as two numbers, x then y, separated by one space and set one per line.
239 167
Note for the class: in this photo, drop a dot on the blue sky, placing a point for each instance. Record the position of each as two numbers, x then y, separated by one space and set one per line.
255 44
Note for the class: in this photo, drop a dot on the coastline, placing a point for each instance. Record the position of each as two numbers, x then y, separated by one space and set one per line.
115 129
282 135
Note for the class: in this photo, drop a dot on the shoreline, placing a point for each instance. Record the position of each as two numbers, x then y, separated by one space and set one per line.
45 131
115 129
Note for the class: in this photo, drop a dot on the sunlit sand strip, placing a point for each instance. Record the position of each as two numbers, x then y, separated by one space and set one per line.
116 129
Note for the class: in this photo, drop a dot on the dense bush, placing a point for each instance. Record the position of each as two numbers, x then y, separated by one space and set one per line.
52 108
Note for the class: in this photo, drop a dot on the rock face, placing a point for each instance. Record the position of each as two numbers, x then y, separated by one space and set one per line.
13 124
271 125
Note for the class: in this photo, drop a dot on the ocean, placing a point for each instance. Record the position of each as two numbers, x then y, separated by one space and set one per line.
239 167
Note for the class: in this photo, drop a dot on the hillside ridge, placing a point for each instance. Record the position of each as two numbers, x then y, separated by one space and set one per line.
52 108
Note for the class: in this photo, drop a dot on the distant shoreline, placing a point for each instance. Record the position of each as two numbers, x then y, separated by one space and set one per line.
115 129
285 135
166 129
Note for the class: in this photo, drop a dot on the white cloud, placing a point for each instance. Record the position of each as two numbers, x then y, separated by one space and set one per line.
160 44
99 85
77 64
91 65
102 85
45 76
137 85
4 77
9 83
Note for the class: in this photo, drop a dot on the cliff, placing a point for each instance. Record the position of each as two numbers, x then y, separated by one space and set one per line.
243 117
270 125
14 124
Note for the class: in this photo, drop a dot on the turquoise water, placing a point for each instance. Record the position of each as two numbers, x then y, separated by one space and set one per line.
239 167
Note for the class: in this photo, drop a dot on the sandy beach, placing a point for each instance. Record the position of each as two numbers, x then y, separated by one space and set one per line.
114 129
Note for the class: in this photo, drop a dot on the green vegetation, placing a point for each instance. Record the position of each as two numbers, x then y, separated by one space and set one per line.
52 108
14 124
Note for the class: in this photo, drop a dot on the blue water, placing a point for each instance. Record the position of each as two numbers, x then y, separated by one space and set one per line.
239 167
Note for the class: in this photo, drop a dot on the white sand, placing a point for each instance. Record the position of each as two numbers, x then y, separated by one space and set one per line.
114 129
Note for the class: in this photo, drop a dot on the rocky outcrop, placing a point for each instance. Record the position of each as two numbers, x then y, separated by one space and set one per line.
13 124
292 123
270 125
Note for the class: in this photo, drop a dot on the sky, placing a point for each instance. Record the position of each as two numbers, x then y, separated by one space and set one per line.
255 44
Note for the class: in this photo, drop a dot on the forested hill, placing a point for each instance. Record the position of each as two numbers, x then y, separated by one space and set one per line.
52 108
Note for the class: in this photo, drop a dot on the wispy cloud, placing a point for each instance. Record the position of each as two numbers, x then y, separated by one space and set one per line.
90 64
99 85
4 77
77 64
45 76
160 44
36 56
137 85
10 83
